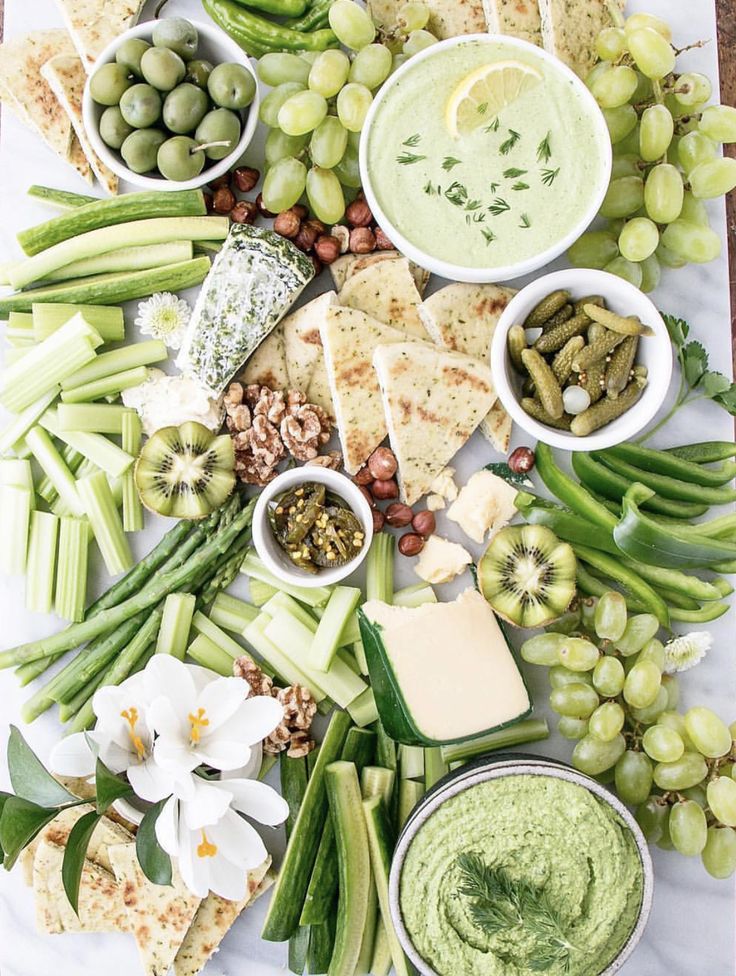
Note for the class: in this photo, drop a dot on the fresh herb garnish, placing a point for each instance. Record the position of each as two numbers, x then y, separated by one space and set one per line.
519 185
448 162
509 143
549 176
488 235
406 158
412 141
543 149
457 194
499 206
482 108
476 218
513 172
431 190
493 187
493 127
525 223
473 205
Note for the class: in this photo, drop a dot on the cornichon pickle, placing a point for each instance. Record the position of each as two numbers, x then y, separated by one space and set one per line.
626 325
606 410
516 341
556 338
620 369
528 387
558 318
535 409
593 379
589 300
599 348
548 389
546 308
562 363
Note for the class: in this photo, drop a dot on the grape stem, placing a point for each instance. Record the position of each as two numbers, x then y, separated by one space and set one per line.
689 47
209 145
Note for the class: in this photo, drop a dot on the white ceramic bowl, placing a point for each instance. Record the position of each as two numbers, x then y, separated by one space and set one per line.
456 272
214 46
271 552
655 352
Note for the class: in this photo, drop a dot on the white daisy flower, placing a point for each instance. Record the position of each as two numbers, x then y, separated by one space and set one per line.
684 652
164 316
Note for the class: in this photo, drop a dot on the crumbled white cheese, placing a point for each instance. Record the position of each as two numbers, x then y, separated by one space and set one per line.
168 401
444 485
441 560
485 504
435 503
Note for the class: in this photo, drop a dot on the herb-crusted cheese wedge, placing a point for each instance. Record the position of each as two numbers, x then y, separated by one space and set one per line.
350 264
254 279
570 27
517 18
386 291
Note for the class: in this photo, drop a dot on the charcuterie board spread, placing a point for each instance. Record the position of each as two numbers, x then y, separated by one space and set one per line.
233 336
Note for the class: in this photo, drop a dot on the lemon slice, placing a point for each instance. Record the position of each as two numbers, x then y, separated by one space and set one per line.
481 95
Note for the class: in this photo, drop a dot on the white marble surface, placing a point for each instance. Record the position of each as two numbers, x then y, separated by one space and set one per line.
691 931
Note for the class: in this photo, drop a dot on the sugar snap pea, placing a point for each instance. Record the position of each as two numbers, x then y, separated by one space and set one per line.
546 308
548 389
603 412
705 452
620 368
664 463
516 342
556 338
562 362
664 485
639 589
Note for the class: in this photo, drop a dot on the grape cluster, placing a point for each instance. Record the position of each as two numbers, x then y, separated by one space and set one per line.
318 105
665 156
609 689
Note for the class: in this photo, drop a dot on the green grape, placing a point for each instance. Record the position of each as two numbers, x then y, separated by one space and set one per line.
587 612
689 770
653 54
623 197
325 195
642 684
673 720
279 145
572 728
351 24
610 616
653 650
644 91
593 249
607 777
543 649
614 87
650 714
417 41
627 165
672 151
276 69
353 103
651 273
594 757
608 677
559 677
639 630
721 793
663 192
329 142
719 853
284 184
397 60
607 721
652 816
348 169
662 744
671 685
302 113
726 769
669 258
329 73
692 242
709 733
718 122
568 622
693 89
371 66
714 178
268 113
696 794
639 239
732 730
610 43
676 110
633 777
578 654
595 72
688 827
625 269
575 700
655 133
412 16
638 21
694 211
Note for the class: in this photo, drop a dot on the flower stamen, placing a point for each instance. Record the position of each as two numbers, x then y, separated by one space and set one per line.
131 717
206 848
198 722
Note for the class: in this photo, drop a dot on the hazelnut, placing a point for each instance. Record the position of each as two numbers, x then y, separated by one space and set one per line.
379 520
424 523
223 200
315 225
399 515
382 463
327 248
317 264
383 490
358 214
245 178
287 224
362 240
411 544
301 211
382 242
244 212
364 476
221 181
367 495
306 237
262 208
521 460
208 201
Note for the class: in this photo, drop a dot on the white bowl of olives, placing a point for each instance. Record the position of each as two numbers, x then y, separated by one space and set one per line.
171 105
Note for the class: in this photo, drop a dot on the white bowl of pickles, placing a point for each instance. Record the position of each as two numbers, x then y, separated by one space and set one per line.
581 359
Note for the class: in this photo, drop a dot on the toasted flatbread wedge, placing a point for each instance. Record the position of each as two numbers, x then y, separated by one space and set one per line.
386 291
267 365
100 909
318 390
517 18
159 916
66 78
350 338
349 264
94 24
434 400
462 317
569 30
447 18
214 919
78 158
302 343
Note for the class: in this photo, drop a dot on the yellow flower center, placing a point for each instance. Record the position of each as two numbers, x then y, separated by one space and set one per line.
131 717
206 848
198 722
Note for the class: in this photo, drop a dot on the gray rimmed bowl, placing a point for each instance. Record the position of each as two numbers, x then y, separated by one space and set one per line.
499 767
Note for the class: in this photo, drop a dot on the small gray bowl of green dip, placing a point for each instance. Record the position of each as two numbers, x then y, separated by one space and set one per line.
522 863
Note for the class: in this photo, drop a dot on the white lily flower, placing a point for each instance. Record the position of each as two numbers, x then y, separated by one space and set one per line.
684 652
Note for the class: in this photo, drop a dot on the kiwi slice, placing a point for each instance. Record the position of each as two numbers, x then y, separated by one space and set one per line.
186 472
527 575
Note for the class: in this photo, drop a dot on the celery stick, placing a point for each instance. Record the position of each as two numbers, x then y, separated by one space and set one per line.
316 596
282 601
414 596
13 355
340 608
282 664
411 762
20 323
16 430
173 634
379 578
118 361
202 624
363 710
48 317
528 730
96 418
103 516
71 574
17 473
232 614
351 631
435 766
410 793
64 199
55 470
260 592
209 655
107 386
95 447
15 516
41 562
359 652
141 258
73 460
131 444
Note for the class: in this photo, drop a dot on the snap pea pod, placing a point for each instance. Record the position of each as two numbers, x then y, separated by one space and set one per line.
708 612
639 589
282 8
669 466
256 35
570 492
704 452
676 601
316 16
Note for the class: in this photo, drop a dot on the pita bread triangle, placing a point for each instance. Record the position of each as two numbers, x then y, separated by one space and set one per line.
302 343
349 264
93 25
433 400
267 365
386 290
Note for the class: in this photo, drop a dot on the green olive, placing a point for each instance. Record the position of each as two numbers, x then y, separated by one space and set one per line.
114 130
140 106
184 108
176 34
140 149
231 86
220 125
109 82
198 72
162 68
129 54
179 159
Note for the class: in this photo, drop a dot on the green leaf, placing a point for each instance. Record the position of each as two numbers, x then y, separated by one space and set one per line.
109 787
3 798
20 822
715 383
154 861
30 778
502 470
728 399
677 328
75 854
695 362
